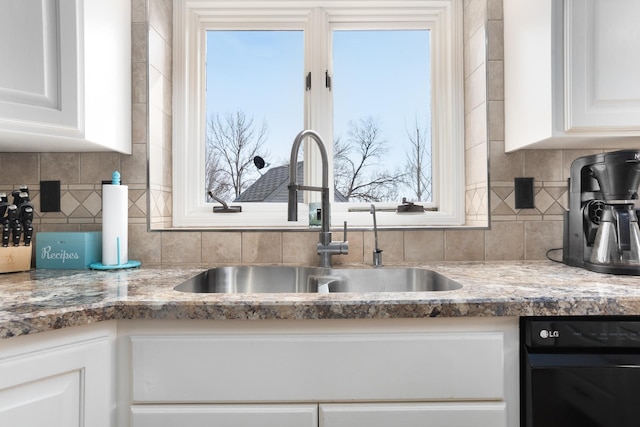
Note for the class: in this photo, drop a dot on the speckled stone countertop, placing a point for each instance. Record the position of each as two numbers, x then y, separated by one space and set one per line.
43 300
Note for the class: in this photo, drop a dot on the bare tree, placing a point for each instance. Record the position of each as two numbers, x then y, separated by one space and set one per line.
215 178
357 171
418 163
341 164
232 142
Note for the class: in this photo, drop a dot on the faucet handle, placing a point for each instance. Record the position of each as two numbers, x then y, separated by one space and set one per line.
345 232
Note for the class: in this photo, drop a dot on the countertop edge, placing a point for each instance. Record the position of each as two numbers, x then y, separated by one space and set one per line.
40 301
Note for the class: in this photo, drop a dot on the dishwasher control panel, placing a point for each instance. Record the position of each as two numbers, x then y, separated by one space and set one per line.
595 332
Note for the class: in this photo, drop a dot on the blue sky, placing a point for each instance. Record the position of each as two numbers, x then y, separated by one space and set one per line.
382 74
260 73
374 77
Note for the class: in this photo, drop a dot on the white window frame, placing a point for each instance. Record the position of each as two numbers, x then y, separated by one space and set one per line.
192 18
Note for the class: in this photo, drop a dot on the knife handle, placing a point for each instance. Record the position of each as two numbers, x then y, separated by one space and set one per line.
14 223
17 231
6 230
27 230
25 216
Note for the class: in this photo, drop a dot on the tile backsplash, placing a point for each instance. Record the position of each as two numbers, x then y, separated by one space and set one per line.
514 234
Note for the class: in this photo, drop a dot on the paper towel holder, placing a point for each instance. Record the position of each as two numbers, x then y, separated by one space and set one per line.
119 245
129 264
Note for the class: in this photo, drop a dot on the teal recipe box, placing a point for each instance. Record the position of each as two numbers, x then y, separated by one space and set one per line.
76 250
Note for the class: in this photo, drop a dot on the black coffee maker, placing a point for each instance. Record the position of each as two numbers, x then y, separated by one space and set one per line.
601 226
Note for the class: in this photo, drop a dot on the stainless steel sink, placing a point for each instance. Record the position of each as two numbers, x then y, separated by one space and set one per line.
281 279
391 280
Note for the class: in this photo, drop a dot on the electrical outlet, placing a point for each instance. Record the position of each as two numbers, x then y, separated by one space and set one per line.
524 193
49 196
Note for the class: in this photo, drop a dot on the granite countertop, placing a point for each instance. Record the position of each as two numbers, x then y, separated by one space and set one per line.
42 300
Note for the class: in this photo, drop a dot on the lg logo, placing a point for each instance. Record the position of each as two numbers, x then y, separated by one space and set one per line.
549 334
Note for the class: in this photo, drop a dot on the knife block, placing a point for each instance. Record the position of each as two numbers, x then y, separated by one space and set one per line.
15 258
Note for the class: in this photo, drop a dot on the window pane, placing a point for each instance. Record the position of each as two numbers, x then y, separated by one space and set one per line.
382 115
254 107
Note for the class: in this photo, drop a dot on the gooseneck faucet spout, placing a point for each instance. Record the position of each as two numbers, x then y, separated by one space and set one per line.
326 247
293 176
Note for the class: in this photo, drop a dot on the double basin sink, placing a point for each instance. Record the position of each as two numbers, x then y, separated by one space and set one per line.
285 279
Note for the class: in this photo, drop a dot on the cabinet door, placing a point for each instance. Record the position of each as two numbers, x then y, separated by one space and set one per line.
414 415
62 386
602 41
39 87
33 404
65 79
224 415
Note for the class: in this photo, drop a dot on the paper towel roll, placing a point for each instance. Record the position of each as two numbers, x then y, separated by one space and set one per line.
115 217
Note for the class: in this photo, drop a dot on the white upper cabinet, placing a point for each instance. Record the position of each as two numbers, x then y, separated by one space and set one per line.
571 72
65 79
603 65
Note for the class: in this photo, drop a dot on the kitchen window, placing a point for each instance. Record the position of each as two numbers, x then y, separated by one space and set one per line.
381 82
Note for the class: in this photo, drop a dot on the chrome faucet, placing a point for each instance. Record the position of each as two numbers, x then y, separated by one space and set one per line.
377 252
326 247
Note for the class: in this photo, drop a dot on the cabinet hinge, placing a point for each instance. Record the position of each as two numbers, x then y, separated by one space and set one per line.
308 81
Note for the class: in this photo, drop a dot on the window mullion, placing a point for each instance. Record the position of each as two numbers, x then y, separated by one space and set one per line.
318 111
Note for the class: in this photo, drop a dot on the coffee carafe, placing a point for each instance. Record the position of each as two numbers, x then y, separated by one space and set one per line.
618 238
601 230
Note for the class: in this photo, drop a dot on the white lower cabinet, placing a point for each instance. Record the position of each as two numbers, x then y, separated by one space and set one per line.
430 414
428 372
57 379
324 415
51 401
225 415
459 372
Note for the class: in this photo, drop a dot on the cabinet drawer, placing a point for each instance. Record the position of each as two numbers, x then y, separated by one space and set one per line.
317 367
414 415
225 415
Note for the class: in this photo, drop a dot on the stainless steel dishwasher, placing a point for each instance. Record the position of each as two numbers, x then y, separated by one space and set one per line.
580 371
